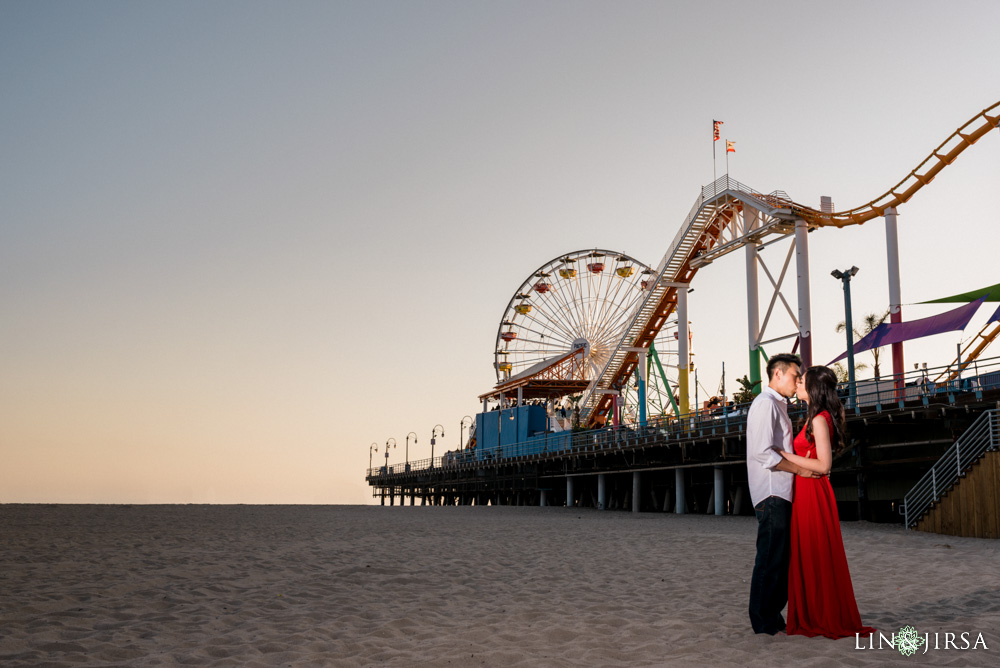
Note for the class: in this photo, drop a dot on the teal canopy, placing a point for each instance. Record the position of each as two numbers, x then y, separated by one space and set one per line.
991 293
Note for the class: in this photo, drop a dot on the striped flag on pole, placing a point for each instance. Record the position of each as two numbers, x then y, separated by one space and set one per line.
730 146
715 129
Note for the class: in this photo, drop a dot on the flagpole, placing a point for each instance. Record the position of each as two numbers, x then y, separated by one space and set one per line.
715 140
727 160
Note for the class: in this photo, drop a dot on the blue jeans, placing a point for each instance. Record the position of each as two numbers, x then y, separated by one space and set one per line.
769 584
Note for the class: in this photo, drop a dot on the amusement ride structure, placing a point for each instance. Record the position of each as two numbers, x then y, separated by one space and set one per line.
563 323
574 302
727 216
601 339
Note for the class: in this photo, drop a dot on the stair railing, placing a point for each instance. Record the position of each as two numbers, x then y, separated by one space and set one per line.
980 437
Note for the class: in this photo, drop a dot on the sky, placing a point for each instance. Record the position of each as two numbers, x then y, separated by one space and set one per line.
241 242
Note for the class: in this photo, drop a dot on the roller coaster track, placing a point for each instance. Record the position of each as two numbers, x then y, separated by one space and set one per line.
967 357
967 135
699 238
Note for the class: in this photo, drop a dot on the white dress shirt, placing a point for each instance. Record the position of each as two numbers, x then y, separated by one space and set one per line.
769 430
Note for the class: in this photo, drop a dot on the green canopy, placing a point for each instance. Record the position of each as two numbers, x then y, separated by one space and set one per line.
991 293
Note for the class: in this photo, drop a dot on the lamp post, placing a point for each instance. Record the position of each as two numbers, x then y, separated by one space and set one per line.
371 448
434 434
387 446
500 431
461 428
408 447
845 276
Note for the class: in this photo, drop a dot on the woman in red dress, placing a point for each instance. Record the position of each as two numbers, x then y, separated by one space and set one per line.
820 594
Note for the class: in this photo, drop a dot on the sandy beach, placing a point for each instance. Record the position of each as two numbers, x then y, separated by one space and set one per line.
465 586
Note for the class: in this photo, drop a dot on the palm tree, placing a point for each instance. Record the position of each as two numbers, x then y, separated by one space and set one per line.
745 393
841 371
871 321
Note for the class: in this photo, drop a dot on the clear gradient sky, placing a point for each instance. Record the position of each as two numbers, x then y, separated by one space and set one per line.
241 241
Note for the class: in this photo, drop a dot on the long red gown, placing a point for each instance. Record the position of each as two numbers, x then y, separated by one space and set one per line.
820 593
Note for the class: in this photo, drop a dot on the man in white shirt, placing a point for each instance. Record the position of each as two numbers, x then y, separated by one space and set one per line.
771 479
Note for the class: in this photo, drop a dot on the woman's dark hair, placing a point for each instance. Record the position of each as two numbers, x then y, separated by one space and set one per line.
821 386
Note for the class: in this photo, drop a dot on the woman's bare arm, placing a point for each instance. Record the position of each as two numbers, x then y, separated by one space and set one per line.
786 465
824 450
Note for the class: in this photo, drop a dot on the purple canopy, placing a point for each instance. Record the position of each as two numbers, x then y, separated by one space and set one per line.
888 333
995 317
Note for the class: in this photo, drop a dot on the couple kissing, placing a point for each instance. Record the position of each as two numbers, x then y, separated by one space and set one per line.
800 551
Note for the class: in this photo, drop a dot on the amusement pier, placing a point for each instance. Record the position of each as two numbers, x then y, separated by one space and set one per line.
593 403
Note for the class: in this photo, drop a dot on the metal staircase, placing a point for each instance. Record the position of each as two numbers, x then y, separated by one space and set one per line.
982 436
715 200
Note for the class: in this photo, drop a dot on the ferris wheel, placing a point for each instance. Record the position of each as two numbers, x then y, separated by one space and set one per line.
579 300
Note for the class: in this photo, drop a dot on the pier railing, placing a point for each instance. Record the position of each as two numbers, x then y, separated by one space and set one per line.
714 423
914 389
980 437
657 429
777 199
917 386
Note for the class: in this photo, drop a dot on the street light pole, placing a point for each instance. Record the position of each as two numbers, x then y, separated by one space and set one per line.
845 277
408 447
387 453
371 448
434 440
461 429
